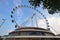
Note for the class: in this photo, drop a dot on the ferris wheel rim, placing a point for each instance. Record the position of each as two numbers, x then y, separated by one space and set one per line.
27 6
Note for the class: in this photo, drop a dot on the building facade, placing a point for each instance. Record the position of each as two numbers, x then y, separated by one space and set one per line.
30 33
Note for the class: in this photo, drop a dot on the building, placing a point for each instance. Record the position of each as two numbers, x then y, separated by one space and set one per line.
30 33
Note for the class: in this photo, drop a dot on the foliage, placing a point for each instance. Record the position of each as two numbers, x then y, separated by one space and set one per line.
53 6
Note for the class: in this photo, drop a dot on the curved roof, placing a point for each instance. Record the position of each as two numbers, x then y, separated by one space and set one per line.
31 29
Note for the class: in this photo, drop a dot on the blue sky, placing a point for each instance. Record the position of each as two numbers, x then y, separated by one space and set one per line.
6 7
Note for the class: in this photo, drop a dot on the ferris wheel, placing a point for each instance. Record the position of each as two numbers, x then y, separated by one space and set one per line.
34 15
13 16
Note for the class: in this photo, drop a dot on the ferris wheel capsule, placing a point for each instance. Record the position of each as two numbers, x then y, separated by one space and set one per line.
48 25
19 6
13 9
48 29
23 6
12 12
13 21
16 26
16 7
11 16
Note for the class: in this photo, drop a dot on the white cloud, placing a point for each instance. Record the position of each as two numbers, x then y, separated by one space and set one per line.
54 22
42 23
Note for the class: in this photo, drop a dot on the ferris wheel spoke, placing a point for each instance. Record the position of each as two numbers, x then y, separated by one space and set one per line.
26 6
